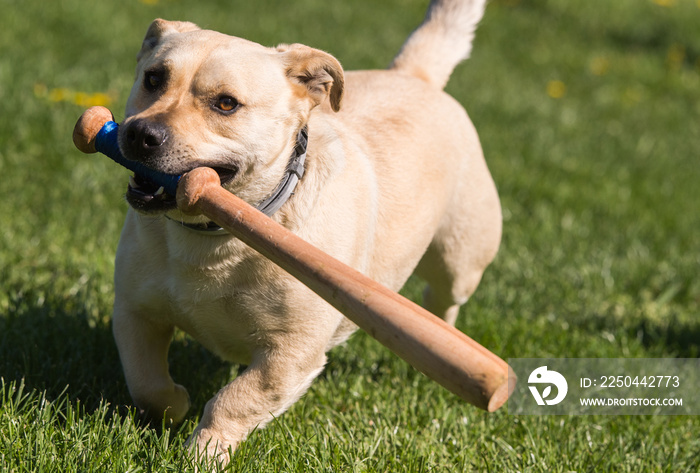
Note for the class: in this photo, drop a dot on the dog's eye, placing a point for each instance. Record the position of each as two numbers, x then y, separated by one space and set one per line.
226 104
153 81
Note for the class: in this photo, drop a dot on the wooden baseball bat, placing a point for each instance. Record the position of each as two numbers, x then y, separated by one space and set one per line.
425 341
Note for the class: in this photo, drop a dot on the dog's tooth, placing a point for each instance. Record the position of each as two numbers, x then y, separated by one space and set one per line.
132 183
160 190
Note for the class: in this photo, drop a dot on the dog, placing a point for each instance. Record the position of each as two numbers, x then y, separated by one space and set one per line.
388 177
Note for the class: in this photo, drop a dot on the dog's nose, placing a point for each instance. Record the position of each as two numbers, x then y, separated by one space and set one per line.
145 138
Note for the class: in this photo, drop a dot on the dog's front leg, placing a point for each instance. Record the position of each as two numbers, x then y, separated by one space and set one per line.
143 350
268 387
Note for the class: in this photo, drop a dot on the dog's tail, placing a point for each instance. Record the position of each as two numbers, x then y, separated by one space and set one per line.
442 41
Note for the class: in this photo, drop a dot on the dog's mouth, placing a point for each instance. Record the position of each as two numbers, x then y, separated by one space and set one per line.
146 196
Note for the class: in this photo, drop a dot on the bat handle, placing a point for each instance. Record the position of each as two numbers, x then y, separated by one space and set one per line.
96 131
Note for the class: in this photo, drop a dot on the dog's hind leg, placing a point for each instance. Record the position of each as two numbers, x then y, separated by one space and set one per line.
448 287
464 244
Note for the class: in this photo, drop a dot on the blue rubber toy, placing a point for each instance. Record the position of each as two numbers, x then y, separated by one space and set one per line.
107 143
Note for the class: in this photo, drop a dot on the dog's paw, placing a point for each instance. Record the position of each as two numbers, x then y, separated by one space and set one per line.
166 406
178 406
210 446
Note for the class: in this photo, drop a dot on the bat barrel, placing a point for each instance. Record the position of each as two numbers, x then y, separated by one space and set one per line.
425 341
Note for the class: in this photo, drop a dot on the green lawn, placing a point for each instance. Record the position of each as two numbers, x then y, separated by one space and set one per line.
589 114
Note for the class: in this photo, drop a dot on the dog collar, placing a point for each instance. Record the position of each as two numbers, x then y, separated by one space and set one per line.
278 197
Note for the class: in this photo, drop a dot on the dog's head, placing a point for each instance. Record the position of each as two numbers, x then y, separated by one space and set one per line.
202 98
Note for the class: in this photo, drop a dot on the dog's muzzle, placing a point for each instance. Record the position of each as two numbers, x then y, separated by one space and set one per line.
145 139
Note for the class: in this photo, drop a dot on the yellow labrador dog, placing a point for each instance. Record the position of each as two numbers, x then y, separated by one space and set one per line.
380 169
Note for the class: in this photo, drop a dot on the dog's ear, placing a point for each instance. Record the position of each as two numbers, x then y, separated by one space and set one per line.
158 30
319 72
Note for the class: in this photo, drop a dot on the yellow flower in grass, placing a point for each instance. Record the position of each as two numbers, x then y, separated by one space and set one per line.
665 3
632 95
556 89
599 65
92 100
61 94
40 90
675 56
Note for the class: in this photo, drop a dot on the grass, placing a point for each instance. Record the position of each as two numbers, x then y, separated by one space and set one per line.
589 116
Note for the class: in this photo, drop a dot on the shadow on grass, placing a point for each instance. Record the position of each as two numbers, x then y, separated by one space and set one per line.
679 338
58 349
